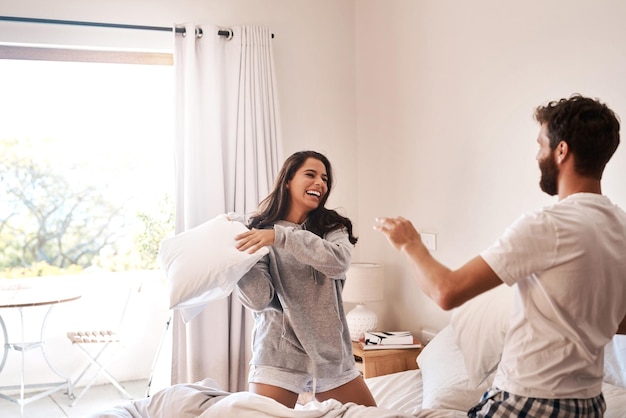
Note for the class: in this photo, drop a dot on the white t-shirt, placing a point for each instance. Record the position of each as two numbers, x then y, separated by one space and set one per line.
569 263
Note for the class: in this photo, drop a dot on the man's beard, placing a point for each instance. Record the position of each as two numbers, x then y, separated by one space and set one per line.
549 175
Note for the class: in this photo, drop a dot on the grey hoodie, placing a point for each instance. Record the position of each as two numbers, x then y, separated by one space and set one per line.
295 294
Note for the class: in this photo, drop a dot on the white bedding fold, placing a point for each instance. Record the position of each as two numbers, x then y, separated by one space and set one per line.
250 405
181 401
206 400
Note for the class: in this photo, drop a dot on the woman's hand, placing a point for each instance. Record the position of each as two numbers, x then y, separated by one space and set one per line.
254 239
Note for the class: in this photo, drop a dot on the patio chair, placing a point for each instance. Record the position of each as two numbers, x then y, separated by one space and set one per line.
101 343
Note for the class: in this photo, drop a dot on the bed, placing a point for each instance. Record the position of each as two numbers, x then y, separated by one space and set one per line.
455 368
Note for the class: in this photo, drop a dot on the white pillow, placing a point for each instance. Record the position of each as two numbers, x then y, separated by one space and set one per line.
203 265
615 361
480 325
444 377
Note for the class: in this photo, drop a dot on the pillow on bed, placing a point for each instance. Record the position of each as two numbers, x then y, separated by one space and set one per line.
203 265
615 361
444 377
480 325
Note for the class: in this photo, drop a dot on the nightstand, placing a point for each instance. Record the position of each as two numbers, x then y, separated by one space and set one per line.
374 363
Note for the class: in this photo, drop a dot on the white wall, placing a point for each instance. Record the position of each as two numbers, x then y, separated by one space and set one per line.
445 98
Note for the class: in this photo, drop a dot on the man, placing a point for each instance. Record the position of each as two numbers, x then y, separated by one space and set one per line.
568 261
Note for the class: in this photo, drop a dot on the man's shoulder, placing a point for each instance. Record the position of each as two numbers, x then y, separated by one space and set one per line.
583 204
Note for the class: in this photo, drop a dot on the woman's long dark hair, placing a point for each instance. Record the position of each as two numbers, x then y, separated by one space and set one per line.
275 206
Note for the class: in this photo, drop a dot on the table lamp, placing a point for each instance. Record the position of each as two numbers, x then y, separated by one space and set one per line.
364 283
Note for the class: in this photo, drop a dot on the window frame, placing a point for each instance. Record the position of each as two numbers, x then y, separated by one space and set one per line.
110 56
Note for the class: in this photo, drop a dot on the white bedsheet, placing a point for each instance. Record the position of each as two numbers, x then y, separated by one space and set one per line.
615 397
397 395
205 400
248 405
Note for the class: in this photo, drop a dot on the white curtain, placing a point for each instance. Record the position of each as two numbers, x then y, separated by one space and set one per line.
228 152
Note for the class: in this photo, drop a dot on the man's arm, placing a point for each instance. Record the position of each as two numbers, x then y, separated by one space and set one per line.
622 327
448 288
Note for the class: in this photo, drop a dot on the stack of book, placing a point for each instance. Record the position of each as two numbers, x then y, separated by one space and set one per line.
389 340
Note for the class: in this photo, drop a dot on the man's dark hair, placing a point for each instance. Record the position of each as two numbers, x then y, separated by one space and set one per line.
590 129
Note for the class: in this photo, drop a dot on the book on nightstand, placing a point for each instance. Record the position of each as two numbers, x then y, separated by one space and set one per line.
368 347
388 337
381 340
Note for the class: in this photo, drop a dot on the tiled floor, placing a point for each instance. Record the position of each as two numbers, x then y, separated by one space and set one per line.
57 405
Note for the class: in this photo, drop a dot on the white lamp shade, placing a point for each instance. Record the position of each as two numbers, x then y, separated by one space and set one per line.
364 283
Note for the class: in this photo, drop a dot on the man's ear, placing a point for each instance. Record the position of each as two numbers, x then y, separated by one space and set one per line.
562 151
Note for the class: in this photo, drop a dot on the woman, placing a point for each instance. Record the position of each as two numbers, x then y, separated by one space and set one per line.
301 340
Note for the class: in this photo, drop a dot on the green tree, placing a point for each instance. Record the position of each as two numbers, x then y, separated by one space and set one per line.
46 218
157 225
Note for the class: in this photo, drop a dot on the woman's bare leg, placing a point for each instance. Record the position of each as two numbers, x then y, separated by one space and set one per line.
281 395
354 391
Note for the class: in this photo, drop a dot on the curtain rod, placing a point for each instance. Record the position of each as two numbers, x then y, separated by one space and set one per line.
221 32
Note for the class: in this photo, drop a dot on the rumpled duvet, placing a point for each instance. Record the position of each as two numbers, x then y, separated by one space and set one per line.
206 400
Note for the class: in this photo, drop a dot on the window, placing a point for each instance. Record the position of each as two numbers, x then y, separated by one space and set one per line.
86 159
